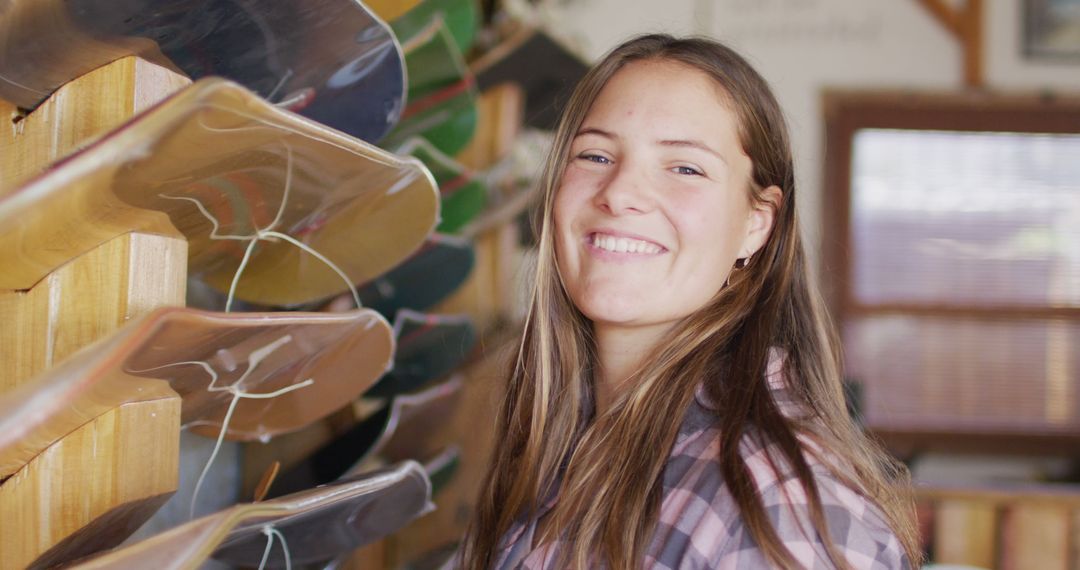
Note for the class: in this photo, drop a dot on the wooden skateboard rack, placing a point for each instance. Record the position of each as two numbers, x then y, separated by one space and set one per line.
75 497
60 504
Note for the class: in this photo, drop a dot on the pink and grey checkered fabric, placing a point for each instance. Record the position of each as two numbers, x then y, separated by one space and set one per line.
700 525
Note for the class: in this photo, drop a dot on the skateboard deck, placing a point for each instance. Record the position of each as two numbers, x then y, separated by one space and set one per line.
332 61
343 354
316 524
416 419
401 429
546 70
463 196
428 348
390 10
442 92
442 467
441 265
246 168
461 16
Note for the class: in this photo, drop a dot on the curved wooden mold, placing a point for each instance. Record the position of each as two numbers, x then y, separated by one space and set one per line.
86 299
463 195
317 525
442 91
331 60
247 167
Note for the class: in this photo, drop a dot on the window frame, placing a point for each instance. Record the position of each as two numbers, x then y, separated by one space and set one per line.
848 111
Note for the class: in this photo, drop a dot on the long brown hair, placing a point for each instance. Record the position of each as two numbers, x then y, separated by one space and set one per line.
607 467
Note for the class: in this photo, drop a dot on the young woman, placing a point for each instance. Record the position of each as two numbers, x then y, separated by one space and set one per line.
676 399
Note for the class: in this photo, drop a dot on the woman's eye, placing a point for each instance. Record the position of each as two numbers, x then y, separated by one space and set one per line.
598 159
688 171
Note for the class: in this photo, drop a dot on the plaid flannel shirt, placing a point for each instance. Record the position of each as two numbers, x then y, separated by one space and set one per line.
700 525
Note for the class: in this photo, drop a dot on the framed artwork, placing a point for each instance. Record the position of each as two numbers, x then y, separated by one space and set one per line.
1052 29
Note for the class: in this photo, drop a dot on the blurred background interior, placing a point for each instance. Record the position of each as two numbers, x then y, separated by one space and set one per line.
937 145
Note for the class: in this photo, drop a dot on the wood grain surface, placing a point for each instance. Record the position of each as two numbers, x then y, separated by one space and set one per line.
78 112
93 488
86 299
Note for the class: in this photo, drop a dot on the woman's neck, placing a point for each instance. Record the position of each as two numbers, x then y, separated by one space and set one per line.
621 352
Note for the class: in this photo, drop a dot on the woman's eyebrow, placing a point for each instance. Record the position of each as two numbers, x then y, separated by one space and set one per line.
692 144
597 132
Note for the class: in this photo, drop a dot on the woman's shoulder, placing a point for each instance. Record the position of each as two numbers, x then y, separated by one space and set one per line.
857 527
701 526
700 523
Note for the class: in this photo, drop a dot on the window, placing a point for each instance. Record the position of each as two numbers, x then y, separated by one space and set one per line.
953 265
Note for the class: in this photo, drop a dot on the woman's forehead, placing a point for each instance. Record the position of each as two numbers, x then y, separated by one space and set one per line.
662 100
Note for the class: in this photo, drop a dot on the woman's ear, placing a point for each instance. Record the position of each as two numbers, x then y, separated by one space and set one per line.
759 222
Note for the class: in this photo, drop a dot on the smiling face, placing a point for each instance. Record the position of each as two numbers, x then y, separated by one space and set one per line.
654 206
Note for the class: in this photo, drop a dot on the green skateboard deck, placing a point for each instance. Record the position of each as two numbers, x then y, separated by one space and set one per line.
461 16
463 195
442 92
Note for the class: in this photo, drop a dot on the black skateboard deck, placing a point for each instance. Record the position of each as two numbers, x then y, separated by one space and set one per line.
434 272
403 428
316 524
332 61
428 348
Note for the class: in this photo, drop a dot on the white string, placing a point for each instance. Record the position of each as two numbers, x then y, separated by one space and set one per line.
254 359
237 394
284 547
268 234
271 533
269 543
322 258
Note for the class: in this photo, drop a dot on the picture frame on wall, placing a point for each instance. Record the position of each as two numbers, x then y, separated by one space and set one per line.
1052 29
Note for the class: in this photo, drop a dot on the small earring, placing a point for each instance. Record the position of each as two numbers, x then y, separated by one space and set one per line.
742 262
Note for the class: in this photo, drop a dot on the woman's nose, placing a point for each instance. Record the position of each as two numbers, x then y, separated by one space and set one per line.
625 191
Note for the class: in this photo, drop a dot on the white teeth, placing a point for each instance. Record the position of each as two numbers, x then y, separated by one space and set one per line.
623 245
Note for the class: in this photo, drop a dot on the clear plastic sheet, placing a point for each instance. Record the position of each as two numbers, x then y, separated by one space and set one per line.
225 169
342 353
331 60
317 525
